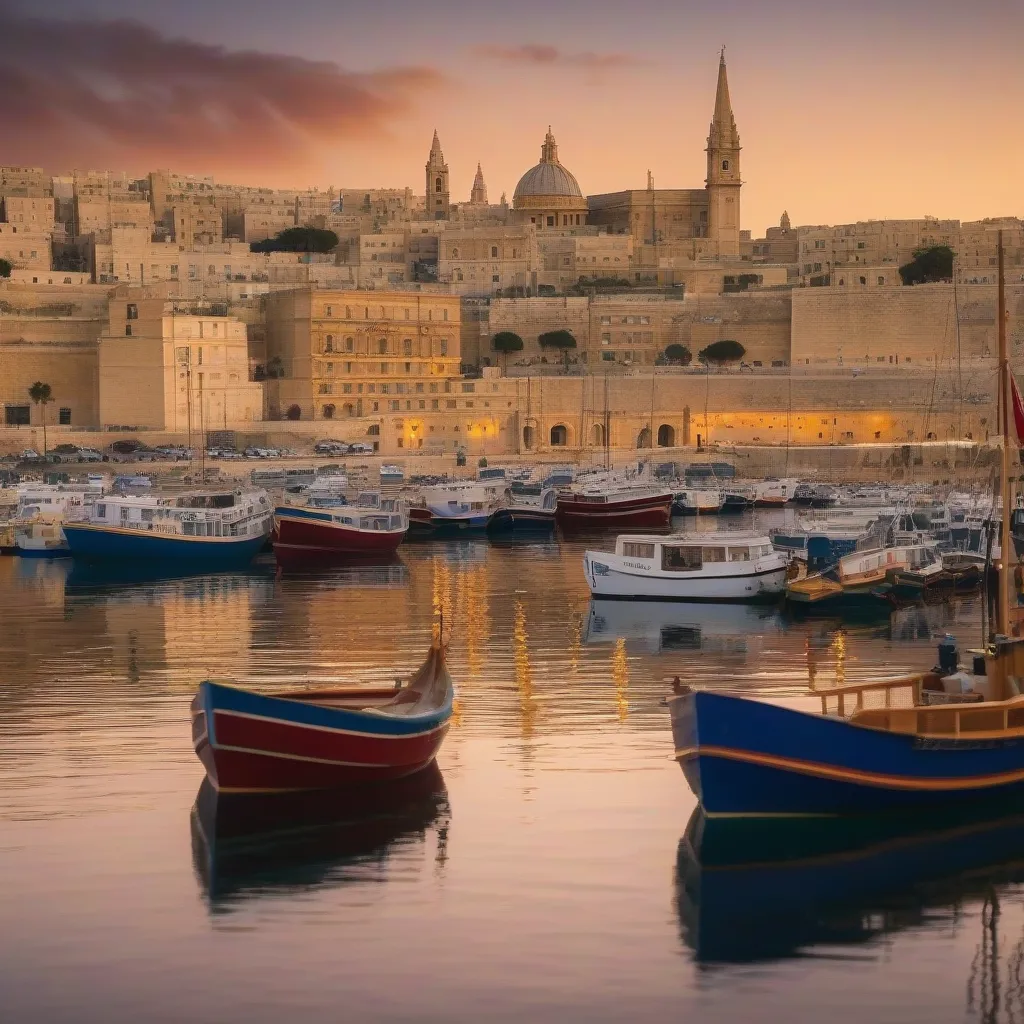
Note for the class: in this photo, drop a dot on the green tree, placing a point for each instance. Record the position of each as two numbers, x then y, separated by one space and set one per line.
560 339
678 354
5 268
725 351
929 265
506 342
41 394
298 240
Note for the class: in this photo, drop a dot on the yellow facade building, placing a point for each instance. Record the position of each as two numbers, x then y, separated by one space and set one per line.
174 365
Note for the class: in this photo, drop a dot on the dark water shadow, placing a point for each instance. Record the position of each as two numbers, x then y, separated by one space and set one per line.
247 847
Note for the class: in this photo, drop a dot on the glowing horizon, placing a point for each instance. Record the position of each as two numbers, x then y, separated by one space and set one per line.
843 116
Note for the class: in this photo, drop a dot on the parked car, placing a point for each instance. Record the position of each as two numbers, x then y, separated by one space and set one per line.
330 448
89 455
29 453
360 448
174 451
126 446
64 453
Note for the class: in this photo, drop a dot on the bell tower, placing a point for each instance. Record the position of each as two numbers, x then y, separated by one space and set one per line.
438 194
723 180
478 197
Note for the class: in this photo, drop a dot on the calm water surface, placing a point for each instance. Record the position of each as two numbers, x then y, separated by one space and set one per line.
545 873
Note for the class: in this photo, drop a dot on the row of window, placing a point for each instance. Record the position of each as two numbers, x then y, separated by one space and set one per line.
386 313
21 416
332 344
606 320
552 220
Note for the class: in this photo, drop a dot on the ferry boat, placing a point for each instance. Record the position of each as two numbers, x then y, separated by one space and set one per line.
530 508
37 527
211 528
688 567
859 575
454 510
605 507
371 526
696 503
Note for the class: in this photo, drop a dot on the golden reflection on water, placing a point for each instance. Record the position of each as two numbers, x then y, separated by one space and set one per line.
620 676
523 676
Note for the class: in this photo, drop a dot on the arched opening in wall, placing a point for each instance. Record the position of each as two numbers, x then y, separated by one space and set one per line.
349 409
597 435
373 430
328 412
293 413
644 438
528 438
666 436
559 436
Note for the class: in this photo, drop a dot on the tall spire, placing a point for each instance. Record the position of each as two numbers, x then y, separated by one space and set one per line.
723 123
479 194
438 198
435 148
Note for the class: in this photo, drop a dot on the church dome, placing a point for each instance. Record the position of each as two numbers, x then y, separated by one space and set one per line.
549 177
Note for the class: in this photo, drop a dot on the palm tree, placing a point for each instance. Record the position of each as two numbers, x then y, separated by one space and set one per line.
41 394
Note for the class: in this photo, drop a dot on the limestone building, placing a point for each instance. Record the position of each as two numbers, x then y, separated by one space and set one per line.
334 354
548 195
706 219
175 365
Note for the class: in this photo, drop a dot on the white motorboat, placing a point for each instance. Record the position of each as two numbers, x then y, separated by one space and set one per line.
688 567
693 502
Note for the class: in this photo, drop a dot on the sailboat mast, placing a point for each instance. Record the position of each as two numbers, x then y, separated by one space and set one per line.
1006 400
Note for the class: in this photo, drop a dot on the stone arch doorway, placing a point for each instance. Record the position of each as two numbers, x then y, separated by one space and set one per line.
597 435
559 435
294 412
529 438
328 412
666 436
644 438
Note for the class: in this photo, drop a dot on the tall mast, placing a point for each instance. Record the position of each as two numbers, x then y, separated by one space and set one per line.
1006 400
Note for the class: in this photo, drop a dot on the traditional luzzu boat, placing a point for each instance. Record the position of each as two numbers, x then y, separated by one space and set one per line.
211 529
934 738
321 738
373 526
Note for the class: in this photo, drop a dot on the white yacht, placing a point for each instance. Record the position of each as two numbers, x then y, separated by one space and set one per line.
688 567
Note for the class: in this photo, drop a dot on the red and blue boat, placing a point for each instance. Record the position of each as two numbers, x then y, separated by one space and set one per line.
321 738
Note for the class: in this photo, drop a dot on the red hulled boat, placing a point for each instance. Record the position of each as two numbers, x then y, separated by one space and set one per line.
321 739
614 508
372 527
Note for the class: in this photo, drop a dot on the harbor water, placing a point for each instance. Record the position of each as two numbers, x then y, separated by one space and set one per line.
552 870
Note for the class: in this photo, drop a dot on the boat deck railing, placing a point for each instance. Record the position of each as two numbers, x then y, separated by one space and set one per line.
852 698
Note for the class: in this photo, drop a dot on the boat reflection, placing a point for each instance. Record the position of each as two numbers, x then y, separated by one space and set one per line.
383 572
749 889
657 626
103 577
250 846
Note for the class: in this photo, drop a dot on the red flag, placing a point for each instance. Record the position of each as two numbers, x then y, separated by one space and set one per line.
1018 411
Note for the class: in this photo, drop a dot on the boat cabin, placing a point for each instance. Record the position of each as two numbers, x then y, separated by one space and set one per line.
230 514
691 554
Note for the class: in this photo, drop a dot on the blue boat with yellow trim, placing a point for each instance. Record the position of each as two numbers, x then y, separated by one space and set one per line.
936 738
209 529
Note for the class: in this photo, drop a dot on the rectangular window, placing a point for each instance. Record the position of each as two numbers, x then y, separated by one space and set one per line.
675 559
395 406
450 403
346 389
638 550
132 312
435 404
468 389
739 554
64 417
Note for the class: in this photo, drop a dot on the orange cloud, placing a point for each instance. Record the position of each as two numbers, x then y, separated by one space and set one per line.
538 53
113 92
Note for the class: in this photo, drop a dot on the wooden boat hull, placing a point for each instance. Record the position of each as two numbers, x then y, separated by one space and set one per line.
103 542
648 512
743 756
301 536
253 743
515 519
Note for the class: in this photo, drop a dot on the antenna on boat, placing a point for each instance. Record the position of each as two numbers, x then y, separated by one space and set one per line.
1005 404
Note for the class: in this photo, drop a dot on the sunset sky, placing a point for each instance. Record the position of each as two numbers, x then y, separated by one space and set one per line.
846 111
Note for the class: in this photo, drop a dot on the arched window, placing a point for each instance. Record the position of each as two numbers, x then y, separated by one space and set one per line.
373 430
455 253
328 412
559 436
666 436
407 346
494 252
528 437
329 343
382 346
597 435
644 438
349 409
348 344
725 165
437 185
